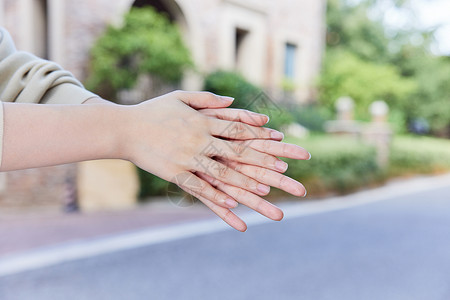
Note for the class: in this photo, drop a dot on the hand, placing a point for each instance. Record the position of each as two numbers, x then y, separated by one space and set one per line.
217 109
276 148
168 137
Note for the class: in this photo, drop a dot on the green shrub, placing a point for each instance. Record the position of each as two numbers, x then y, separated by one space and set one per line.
341 164
312 117
247 96
151 185
419 155
146 43
233 85
338 164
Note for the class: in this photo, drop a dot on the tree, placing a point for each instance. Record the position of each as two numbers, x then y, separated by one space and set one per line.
346 74
147 43
367 59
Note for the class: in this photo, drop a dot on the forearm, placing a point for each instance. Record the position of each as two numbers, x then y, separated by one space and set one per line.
44 135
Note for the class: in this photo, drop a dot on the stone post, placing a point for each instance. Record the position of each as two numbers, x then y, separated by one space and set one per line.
344 107
344 124
378 132
107 184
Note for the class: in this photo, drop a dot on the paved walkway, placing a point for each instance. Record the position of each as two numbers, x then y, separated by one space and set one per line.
24 230
385 243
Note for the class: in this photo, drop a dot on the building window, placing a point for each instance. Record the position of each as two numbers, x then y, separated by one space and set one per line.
241 36
290 60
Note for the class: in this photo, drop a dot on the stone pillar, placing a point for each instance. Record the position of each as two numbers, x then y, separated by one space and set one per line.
107 185
2 16
344 107
344 125
3 182
378 132
56 32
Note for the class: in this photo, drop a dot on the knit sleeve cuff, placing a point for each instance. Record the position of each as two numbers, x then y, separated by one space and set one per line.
67 93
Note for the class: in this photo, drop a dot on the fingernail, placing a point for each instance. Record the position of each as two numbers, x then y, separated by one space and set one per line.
276 135
268 119
306 192
281 165
263 188
227 99
231 203
309 156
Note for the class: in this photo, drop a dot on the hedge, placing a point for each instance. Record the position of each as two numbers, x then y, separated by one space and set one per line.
412 155
338 164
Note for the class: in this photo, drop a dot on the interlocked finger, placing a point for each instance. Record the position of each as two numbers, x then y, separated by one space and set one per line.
227 175
237 115
240 131
268 177
280 149
225 214
198 187
242 152
248 199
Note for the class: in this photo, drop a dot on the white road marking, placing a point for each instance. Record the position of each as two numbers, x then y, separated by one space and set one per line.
69 252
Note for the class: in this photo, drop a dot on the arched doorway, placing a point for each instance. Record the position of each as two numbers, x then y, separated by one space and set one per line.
183 15
167 7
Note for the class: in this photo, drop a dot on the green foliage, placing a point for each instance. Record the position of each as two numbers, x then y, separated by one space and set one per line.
433 94
349 28
146 43
345 74
412 155
151 185
312 117
234 85
338 164
247 96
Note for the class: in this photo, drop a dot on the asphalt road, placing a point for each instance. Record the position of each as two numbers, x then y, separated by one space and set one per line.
396 249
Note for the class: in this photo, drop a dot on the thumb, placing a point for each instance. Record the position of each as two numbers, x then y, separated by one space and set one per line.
200 100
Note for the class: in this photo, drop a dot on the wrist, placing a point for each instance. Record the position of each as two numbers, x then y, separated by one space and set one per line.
116 127
120 119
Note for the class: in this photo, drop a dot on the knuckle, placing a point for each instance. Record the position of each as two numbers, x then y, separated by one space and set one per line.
238 167
248 182
284 149
228 216
239 148
266 145
202 186
263 133
261 173
240 130
216 196
268 160
241 194
224 171
283 181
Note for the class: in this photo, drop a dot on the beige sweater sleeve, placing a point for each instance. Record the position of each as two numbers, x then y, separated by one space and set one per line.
28 79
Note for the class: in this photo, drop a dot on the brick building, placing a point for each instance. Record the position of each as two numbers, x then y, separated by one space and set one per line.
267 41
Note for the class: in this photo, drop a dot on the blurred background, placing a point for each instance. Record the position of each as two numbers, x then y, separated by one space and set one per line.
362 84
